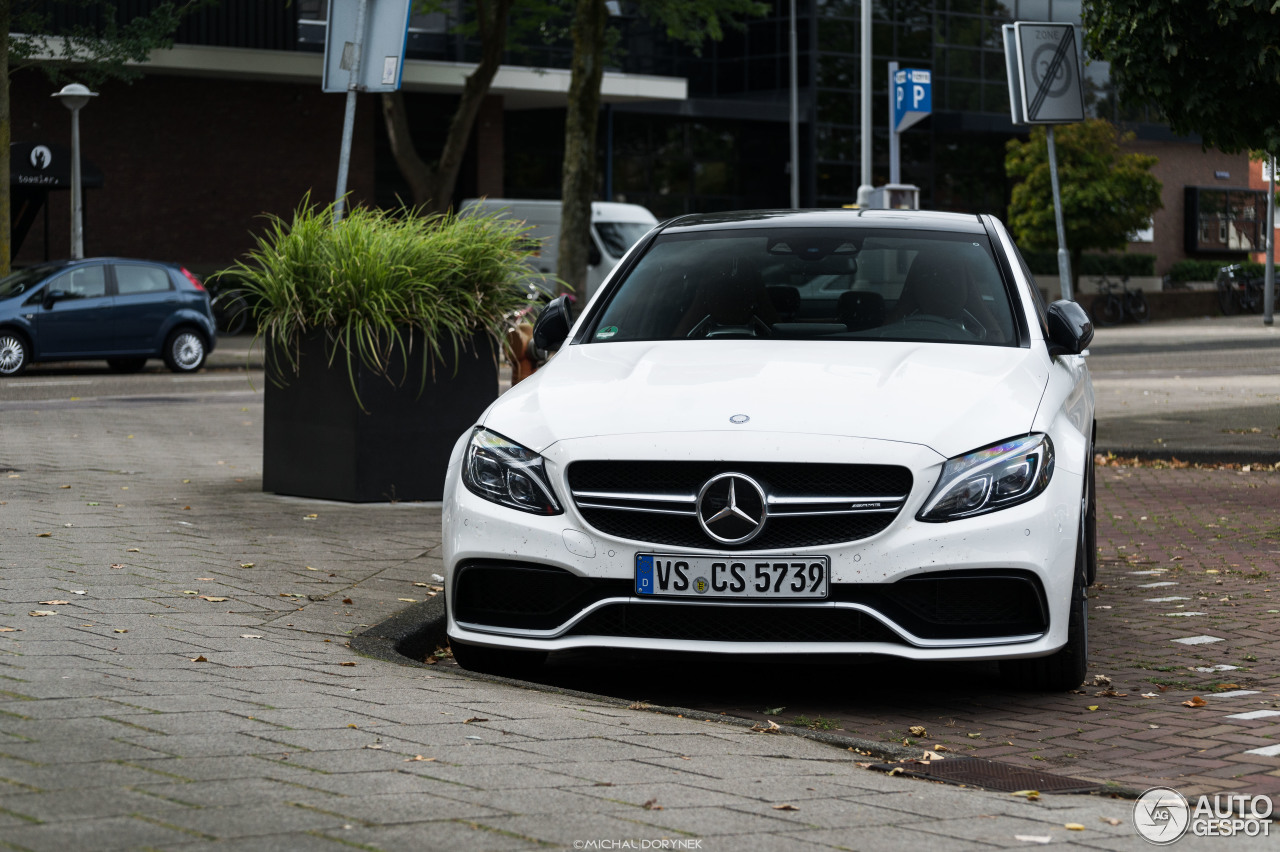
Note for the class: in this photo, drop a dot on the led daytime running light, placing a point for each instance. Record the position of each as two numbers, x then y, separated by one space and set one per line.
991 479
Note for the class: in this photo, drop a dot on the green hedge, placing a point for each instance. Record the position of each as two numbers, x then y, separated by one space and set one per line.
1207 270
1131 264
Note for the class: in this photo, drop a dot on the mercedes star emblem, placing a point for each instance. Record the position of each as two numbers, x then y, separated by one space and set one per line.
739 419
732 508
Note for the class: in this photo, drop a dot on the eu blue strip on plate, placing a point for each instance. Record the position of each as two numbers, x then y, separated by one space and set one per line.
644 575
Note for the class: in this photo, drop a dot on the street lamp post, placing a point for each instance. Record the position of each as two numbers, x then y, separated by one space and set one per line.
74 96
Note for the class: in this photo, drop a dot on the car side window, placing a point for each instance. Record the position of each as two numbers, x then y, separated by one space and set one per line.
83 282
134 278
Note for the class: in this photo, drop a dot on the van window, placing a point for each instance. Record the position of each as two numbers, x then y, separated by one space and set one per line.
617 237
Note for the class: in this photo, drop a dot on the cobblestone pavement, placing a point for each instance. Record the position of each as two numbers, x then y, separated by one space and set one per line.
174 675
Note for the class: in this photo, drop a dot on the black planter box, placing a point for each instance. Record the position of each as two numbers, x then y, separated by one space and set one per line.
318 442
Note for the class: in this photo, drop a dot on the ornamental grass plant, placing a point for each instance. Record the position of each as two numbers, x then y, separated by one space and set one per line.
378 283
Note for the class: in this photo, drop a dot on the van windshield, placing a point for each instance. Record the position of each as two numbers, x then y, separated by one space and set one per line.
617 237
813 283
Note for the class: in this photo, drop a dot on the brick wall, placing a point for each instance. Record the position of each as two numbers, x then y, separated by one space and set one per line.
190 163
1180 165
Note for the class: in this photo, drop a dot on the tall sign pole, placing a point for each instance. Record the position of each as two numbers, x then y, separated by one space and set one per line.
865 189
1269 291
1044 65
352 59
795 115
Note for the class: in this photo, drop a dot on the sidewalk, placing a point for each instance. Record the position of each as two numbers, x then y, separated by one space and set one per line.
195 688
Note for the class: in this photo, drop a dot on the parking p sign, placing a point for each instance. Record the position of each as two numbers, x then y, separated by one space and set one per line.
912 97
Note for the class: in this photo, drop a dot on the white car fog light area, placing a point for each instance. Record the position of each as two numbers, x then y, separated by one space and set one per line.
506 473
991 479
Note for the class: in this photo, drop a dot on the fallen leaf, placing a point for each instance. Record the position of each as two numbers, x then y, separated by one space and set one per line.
774 711
421 585
975 736
81 592
1101 680
246 564
1111 693
64 486
310 517
214 599
1029 795
349 725
473 719
120 630
897 770
373 745
132 550
941 747
1110 820
785 807
37 613
767 727
55 603
1033 838
408 600
117 565
250 636
10 629
190 592
347 600
420 757
1150 695
1196 701
44 535
347 663
1073 826
204 579
918 731
1219 686
200 659
652 805
1092 707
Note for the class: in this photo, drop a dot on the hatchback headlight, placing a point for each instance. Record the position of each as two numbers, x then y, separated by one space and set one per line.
990 479
505 472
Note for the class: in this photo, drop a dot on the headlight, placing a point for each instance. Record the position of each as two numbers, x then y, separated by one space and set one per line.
505 472
990 479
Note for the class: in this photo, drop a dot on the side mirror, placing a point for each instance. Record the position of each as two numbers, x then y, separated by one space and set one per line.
51 296
1070 329
552 326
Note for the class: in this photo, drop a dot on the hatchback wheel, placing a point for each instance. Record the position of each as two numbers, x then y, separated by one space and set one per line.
13 354
184 352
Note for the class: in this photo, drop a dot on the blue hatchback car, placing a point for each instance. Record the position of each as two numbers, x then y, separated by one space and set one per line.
123 310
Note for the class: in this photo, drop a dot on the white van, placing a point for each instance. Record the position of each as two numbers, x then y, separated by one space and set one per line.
615 228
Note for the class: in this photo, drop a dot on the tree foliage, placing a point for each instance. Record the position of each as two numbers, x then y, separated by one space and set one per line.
1106 194
1211 66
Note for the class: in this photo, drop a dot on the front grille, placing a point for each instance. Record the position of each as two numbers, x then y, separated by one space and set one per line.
809 504
733 623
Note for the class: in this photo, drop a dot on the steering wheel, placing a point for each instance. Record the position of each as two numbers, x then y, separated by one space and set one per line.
707 327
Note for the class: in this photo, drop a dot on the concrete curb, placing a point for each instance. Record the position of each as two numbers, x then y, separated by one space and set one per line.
1195 456
407 637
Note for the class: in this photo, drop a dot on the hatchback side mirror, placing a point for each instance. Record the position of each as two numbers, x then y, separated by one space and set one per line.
552 325
51 296
1070 329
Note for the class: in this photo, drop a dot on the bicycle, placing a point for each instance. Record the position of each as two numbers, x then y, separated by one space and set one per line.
1111 308
231 312
1237 291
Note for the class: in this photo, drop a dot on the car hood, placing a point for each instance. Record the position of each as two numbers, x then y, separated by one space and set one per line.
950 397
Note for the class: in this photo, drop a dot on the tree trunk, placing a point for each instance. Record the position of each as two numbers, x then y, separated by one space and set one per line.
433 188
578 181
6 133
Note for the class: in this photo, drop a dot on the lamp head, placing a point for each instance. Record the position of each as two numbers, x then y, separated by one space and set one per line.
74 96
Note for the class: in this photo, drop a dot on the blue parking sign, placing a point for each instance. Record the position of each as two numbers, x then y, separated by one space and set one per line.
912 97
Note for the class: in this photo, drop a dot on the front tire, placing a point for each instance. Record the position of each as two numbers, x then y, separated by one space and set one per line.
1064 669
15 353
497 661
184 351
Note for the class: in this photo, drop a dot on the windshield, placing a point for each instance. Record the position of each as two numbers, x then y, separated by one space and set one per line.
22 281
617 237
823 283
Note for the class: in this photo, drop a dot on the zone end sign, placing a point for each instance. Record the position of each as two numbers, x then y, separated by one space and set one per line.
1044 65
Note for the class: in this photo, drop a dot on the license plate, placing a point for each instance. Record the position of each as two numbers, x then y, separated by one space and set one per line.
678 575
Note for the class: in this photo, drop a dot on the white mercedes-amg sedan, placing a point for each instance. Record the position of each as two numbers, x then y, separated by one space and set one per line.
781 432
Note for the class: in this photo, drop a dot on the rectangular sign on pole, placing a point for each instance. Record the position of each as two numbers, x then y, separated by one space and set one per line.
912 97
1049 73
386 29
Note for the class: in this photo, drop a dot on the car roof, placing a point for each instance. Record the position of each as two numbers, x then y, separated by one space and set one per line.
928 220
66 261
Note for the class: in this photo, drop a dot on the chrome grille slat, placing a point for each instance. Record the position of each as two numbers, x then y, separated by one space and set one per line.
807 504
